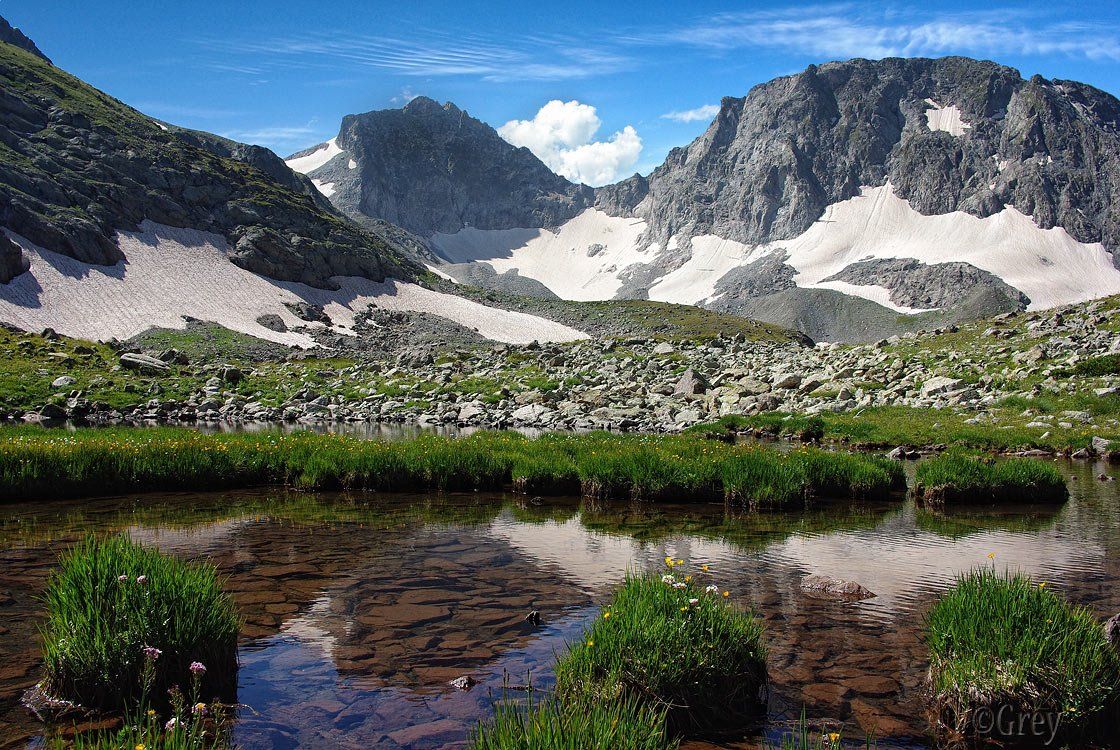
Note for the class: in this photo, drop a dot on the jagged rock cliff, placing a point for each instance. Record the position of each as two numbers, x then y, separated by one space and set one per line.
950 134
431 168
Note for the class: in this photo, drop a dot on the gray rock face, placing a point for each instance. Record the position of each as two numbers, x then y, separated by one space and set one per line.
772 161
941 285
430 168
85 166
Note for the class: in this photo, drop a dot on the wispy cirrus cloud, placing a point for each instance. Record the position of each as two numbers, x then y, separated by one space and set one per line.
705 112
427 55
845 30
280 137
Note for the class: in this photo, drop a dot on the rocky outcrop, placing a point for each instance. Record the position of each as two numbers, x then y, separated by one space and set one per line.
940 285
431 167
82 166
772 161
14 36
12 262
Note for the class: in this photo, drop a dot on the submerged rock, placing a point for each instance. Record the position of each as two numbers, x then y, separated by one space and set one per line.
826 587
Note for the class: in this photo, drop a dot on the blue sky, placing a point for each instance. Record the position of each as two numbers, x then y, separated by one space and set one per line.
283 73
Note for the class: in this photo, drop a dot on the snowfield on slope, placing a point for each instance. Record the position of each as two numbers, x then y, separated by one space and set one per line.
317 158
169 273
1048 265
567 261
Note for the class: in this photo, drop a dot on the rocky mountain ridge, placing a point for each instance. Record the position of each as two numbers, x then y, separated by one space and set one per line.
77 165
949 136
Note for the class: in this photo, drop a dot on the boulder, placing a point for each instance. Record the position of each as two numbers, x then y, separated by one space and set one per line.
691 383
940 384
786 381
1112 631
63 381
143 363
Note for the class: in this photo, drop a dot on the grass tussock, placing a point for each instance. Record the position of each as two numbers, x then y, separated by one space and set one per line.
38 463
957 477
669 656
674 641
1003 642
627 724
124 621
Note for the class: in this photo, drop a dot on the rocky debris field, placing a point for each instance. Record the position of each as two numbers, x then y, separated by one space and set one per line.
1041 371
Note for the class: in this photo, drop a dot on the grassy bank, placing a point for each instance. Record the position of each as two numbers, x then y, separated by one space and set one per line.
1004 643
125 622
45 463
887 427
668 656
957 478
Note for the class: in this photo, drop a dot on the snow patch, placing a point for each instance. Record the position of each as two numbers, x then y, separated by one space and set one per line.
945 118
558 259
352 164
316 159
169 273
326 188
1048 265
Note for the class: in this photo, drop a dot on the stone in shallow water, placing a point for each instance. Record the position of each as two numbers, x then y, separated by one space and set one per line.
466 682
826 587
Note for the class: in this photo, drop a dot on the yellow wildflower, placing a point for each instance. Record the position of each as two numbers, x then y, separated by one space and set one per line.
704 568
139 746
726 594
669 561
687 579
590 644
606 615
991 555
1042 585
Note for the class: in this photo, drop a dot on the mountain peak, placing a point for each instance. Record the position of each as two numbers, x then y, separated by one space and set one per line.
427 105
12 35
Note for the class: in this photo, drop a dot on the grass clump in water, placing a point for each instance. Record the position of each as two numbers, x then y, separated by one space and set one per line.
1004 646
674 642
957 477
116 609
584 725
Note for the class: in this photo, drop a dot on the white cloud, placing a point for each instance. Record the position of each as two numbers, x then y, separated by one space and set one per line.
706 112
560 135
406 95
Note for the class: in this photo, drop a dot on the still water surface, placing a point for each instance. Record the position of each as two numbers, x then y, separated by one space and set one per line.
360 608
